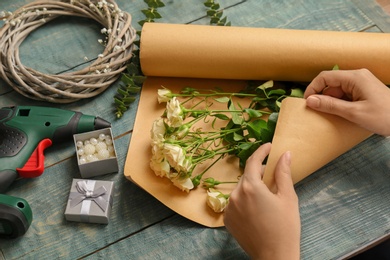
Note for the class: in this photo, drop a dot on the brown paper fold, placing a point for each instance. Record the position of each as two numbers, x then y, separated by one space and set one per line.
222 52
313 138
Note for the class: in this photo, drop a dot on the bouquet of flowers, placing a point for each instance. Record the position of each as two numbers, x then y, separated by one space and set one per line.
179 145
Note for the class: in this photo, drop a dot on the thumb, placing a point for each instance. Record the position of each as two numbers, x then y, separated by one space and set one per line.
283 178
329 105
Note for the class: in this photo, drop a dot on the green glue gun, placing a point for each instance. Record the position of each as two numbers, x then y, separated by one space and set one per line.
15 216
26 131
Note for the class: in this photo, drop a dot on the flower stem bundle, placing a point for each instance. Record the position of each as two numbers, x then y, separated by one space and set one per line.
194 131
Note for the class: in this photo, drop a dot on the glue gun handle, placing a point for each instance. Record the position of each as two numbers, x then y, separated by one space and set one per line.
7 177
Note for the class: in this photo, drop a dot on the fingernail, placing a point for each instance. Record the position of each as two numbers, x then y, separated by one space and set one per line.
313 102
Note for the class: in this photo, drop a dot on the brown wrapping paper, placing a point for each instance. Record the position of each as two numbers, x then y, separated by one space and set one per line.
312 137
174 55
197 51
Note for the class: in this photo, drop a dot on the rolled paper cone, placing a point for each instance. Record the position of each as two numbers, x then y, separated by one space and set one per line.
313 139
222 52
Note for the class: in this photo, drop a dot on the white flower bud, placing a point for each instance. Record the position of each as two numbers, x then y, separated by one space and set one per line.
216 200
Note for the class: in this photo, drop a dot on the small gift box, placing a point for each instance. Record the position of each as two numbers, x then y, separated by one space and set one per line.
96 153
90 201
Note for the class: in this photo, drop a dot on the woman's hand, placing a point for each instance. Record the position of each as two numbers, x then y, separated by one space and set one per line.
356 95
266 225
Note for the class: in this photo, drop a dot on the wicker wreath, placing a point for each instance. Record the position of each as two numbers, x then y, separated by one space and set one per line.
72 86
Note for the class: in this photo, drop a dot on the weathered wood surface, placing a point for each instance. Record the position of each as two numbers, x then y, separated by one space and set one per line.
344 206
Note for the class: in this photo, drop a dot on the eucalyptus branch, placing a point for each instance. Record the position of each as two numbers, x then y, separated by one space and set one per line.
215 13
131 82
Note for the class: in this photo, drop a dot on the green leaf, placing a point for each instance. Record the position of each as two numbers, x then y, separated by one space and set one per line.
277 92
336 67
128 100
122 92
139 80
237 137
214 20
245 154
236 118
296 92
272 120
118 101
208 3
268 84
255 127
211 12
266 135
245 146
132 69
222 99
127 80
253 113
133 89
221 116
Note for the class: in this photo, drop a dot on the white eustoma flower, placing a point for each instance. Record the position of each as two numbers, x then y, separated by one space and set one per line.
160 167
174 113
185 184
163 95
216 200
174 154
158 129
186 165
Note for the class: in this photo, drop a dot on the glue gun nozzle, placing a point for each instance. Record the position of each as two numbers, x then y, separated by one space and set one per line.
100 123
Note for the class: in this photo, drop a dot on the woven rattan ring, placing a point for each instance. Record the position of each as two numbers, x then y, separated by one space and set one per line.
71 86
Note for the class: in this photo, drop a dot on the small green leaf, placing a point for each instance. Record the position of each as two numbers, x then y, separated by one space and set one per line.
245 146
133 89
277 92
222 99
268 84
236 118
118 102
255 127
336 67
296 92
253 113
221 116
237 137
245 154
211 12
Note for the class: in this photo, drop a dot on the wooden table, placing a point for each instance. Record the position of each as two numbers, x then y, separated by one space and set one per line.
344 206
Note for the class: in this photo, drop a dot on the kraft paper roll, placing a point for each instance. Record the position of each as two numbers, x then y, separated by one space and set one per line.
201 51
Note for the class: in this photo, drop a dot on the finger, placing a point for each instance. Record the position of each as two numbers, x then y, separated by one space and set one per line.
283 179
254 164
335 106
343 79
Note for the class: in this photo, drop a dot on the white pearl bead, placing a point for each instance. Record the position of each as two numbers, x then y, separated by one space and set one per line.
101 146
89 149
82 160
79 144
103 154
102 137
93 141
80 151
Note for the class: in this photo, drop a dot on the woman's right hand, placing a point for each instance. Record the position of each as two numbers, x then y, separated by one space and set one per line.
356 95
